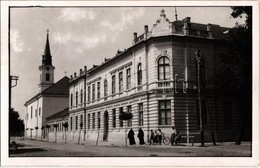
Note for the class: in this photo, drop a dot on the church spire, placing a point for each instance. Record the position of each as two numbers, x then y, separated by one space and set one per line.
46 58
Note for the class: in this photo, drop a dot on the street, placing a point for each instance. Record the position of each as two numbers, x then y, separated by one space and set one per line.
33 148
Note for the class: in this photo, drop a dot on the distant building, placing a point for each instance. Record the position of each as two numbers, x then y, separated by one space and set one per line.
155 79
52 97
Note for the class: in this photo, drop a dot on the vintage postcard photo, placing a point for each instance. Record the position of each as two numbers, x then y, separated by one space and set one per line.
130 83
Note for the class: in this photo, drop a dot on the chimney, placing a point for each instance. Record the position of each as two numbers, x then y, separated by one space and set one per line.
75 74
85 68
145 31
71 76
80 71
186 26
135 37
209 30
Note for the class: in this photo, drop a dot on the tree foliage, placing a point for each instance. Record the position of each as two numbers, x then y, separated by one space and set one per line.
16 125
235 73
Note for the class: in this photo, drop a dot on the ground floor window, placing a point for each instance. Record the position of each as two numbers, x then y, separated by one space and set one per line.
140 114
76 122
88 121
129 110
70 123
93 120
114 118
164 112
121 110
98 120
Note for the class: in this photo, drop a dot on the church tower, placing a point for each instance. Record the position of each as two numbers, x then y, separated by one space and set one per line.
46 69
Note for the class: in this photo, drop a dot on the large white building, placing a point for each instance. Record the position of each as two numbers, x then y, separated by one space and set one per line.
52 97
154 79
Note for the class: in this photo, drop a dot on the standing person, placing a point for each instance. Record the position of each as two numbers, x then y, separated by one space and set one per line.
155 138
131 137
140 135
152 137
174 132
159 136
177 138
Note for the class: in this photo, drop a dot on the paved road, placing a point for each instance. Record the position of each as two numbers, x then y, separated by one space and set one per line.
49 149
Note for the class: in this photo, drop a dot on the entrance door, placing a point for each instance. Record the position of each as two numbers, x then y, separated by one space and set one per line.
105 126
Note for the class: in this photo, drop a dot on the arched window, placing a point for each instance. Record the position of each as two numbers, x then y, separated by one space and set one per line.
139 74
163 68
47 77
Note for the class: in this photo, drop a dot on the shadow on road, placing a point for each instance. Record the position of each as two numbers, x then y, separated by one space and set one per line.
26 150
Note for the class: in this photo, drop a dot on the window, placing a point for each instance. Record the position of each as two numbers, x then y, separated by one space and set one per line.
98 90
76 122
163 68
139 74
88 93
81 118
47 77
165 112
81 96
76 98
98 120
114 118
71 99
31 111
140 114
113 84
121 110
71 123
93 120
204 112
129 110
105 87
128 78
35 112
40 111
93 91
88 121
120 81
227 110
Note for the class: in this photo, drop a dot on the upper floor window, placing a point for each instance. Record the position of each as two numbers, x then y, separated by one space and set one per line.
47 77
139 74
76 98
81 96
93 92
40 111
105 87
163 68
71 99
128 78
120 81
31 112
88 93
98 90
113 84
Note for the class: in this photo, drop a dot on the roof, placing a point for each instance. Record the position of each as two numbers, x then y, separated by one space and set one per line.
59 88
61 114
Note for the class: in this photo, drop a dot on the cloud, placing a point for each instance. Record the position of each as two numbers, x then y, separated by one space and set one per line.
77 14
16 42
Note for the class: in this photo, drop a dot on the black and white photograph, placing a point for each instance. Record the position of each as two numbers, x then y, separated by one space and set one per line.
94 83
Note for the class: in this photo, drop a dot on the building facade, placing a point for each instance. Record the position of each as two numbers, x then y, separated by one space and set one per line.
52 97
155 80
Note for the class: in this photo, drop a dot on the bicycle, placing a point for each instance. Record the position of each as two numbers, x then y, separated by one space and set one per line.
165 140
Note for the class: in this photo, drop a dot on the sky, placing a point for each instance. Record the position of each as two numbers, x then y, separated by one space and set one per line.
83 36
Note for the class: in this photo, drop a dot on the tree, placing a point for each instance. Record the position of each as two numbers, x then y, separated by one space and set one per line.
81 125
55 126
234 75
36 128
65 125
16 125
48 129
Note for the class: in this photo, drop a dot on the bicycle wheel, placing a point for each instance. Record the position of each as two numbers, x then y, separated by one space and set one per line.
166 141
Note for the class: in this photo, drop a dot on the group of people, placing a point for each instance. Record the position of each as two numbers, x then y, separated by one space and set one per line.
155 137
140 136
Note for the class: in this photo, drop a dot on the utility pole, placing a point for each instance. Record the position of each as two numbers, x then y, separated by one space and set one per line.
198 59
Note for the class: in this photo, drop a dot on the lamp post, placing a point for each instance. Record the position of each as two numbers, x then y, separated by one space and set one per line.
198 59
